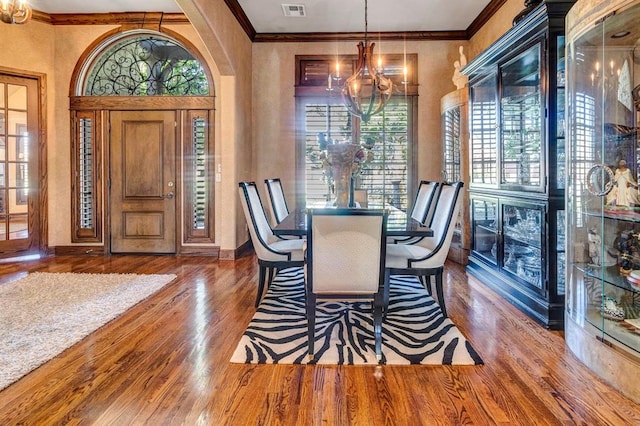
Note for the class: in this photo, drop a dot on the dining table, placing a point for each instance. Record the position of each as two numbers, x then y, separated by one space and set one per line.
399 224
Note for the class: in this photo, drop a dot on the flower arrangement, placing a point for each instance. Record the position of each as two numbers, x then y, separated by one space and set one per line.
342 162
362 157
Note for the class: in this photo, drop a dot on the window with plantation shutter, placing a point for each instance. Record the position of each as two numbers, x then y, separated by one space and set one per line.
198 170
87 200
389 177
451 135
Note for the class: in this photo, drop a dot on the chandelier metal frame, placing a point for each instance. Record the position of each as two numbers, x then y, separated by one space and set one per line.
368 90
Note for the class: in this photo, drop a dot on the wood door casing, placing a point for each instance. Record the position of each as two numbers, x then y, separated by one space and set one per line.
143 181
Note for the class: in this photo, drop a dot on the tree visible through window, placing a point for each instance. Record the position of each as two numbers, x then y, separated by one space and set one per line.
146 65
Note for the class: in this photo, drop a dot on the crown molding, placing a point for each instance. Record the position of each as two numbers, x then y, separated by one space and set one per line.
155 19
387 36
143 19
484 16
242 18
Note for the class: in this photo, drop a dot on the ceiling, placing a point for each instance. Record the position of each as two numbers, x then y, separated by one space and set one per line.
267 16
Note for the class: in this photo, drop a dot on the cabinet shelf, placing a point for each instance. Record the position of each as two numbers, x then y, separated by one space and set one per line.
614 330
626 214
609 274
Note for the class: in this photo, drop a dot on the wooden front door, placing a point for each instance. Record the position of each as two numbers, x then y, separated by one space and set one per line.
143 181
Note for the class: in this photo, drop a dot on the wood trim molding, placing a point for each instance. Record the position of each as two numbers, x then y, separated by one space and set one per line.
149 20
245 249
140 103
79 251
387 36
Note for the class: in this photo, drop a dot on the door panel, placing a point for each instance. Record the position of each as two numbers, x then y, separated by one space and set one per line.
142 164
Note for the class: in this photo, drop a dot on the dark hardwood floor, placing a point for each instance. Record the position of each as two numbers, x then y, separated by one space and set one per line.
166 361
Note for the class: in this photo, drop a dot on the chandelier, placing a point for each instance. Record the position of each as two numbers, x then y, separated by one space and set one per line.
15 11
367 91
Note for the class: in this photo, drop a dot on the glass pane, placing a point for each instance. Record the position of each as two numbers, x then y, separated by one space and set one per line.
17 123
146 66
484 131
324 123
199 174
3 179
521 120
560 248
86 174
2 89
4 219
522 243
18 226
485 227
17 97
385 176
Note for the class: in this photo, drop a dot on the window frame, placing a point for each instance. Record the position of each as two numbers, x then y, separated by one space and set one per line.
315 91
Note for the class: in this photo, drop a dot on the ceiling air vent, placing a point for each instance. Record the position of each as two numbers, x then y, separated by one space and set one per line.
294 10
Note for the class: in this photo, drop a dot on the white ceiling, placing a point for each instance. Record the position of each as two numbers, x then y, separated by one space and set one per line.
267 16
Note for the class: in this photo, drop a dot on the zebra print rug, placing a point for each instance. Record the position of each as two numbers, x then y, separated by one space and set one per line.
414 330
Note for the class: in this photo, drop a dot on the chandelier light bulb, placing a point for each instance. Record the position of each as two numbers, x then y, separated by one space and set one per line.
15 12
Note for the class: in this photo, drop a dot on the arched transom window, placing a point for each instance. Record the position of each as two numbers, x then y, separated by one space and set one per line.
145 65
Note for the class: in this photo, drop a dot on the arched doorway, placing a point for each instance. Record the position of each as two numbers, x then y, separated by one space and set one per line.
142 108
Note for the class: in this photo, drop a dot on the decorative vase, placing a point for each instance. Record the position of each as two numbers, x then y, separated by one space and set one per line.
340 158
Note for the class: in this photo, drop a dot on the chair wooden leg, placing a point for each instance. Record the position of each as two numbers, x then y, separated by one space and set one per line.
262 273
377 326
311 322
386 291
440 291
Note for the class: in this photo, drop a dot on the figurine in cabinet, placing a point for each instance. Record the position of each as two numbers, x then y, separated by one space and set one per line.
627 247
594 241
625 187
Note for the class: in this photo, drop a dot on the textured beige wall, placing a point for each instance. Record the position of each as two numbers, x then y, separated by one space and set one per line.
230 49
499 24
274 101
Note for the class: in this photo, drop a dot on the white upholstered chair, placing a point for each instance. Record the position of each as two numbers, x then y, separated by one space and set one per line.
345 260
273 253
426 257
278 207
423 208
277 201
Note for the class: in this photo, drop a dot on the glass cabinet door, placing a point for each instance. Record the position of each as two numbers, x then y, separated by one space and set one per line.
484 223
603 226
521 121
484 136
523 230
560 122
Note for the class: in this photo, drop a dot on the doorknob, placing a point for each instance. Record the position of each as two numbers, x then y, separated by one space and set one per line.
169 195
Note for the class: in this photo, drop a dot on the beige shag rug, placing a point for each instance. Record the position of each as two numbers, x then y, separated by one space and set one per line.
44 313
